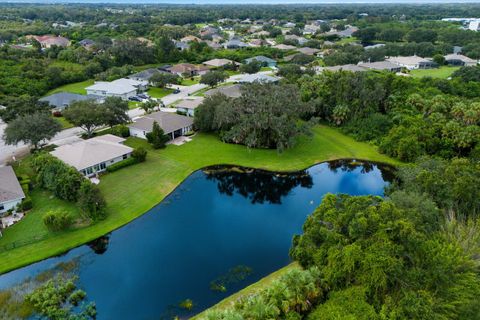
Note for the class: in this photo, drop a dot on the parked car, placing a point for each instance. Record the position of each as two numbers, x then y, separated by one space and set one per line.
135 99
143 96
176 91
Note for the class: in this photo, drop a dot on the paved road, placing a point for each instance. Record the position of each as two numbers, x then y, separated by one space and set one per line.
72 134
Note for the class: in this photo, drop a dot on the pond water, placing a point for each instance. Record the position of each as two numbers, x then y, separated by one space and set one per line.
218 228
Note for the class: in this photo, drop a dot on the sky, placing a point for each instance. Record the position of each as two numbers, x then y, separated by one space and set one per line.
240 1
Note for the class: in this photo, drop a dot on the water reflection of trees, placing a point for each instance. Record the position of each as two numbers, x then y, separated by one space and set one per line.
348 165
100 245
256 185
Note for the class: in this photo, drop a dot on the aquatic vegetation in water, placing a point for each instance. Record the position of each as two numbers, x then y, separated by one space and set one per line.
59 298
52 294
186 304
236 274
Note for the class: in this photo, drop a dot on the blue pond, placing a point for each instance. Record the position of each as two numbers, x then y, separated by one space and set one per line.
216 220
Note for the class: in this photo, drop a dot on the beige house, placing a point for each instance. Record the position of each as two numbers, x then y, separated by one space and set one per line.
218 63
94 155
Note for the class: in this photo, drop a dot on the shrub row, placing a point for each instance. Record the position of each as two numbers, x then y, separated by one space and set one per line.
138 155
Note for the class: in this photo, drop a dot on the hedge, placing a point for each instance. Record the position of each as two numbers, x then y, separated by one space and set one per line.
121 164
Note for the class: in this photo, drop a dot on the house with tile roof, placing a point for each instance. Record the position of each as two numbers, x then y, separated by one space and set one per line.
94 155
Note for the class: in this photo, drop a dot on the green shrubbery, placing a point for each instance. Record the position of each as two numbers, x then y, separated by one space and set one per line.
57 298
68 184
57 220
122 164
138 155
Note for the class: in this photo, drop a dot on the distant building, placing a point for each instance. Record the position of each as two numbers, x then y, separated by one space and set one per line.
48 41
61 100
123 88
381 66
459 60
234 44
231 91
145 75
180 45
346 67
266 61
250 78
413 62
190 39
374 46
188 68
308 51
94 155
218 63
11 193
87 44
172 124
474 25
284 47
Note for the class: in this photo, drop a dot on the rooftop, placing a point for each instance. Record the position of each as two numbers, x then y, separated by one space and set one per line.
10 188
87 153
190 103
169 122
63 99
232 91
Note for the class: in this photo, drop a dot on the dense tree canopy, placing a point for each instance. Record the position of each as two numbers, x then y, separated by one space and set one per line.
265 116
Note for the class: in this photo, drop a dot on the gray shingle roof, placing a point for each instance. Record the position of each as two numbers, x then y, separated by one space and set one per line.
232 91
145 74
169 122
61 100
10 188
260 59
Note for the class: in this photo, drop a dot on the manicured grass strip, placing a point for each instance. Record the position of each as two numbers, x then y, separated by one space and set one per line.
77 87
134 190
251 289
190 82
440 73
159 92
65 124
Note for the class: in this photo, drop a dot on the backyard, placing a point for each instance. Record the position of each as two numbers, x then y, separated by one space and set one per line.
77 87
132 191
441 73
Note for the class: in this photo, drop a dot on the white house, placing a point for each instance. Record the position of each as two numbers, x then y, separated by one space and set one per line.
93 155
11 193
413 62
172 124
123 88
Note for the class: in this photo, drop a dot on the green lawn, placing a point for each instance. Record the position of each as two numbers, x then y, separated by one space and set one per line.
31 228
65 124
132 191
133 104
189 81
77 87
251 289
159 92
346 40
442 72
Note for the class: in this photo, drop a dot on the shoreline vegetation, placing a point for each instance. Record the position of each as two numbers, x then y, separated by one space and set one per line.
132 192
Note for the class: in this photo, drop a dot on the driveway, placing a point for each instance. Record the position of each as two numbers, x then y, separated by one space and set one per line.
7 152
72 134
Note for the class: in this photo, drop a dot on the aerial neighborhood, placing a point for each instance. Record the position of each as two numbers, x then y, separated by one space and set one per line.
180 153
